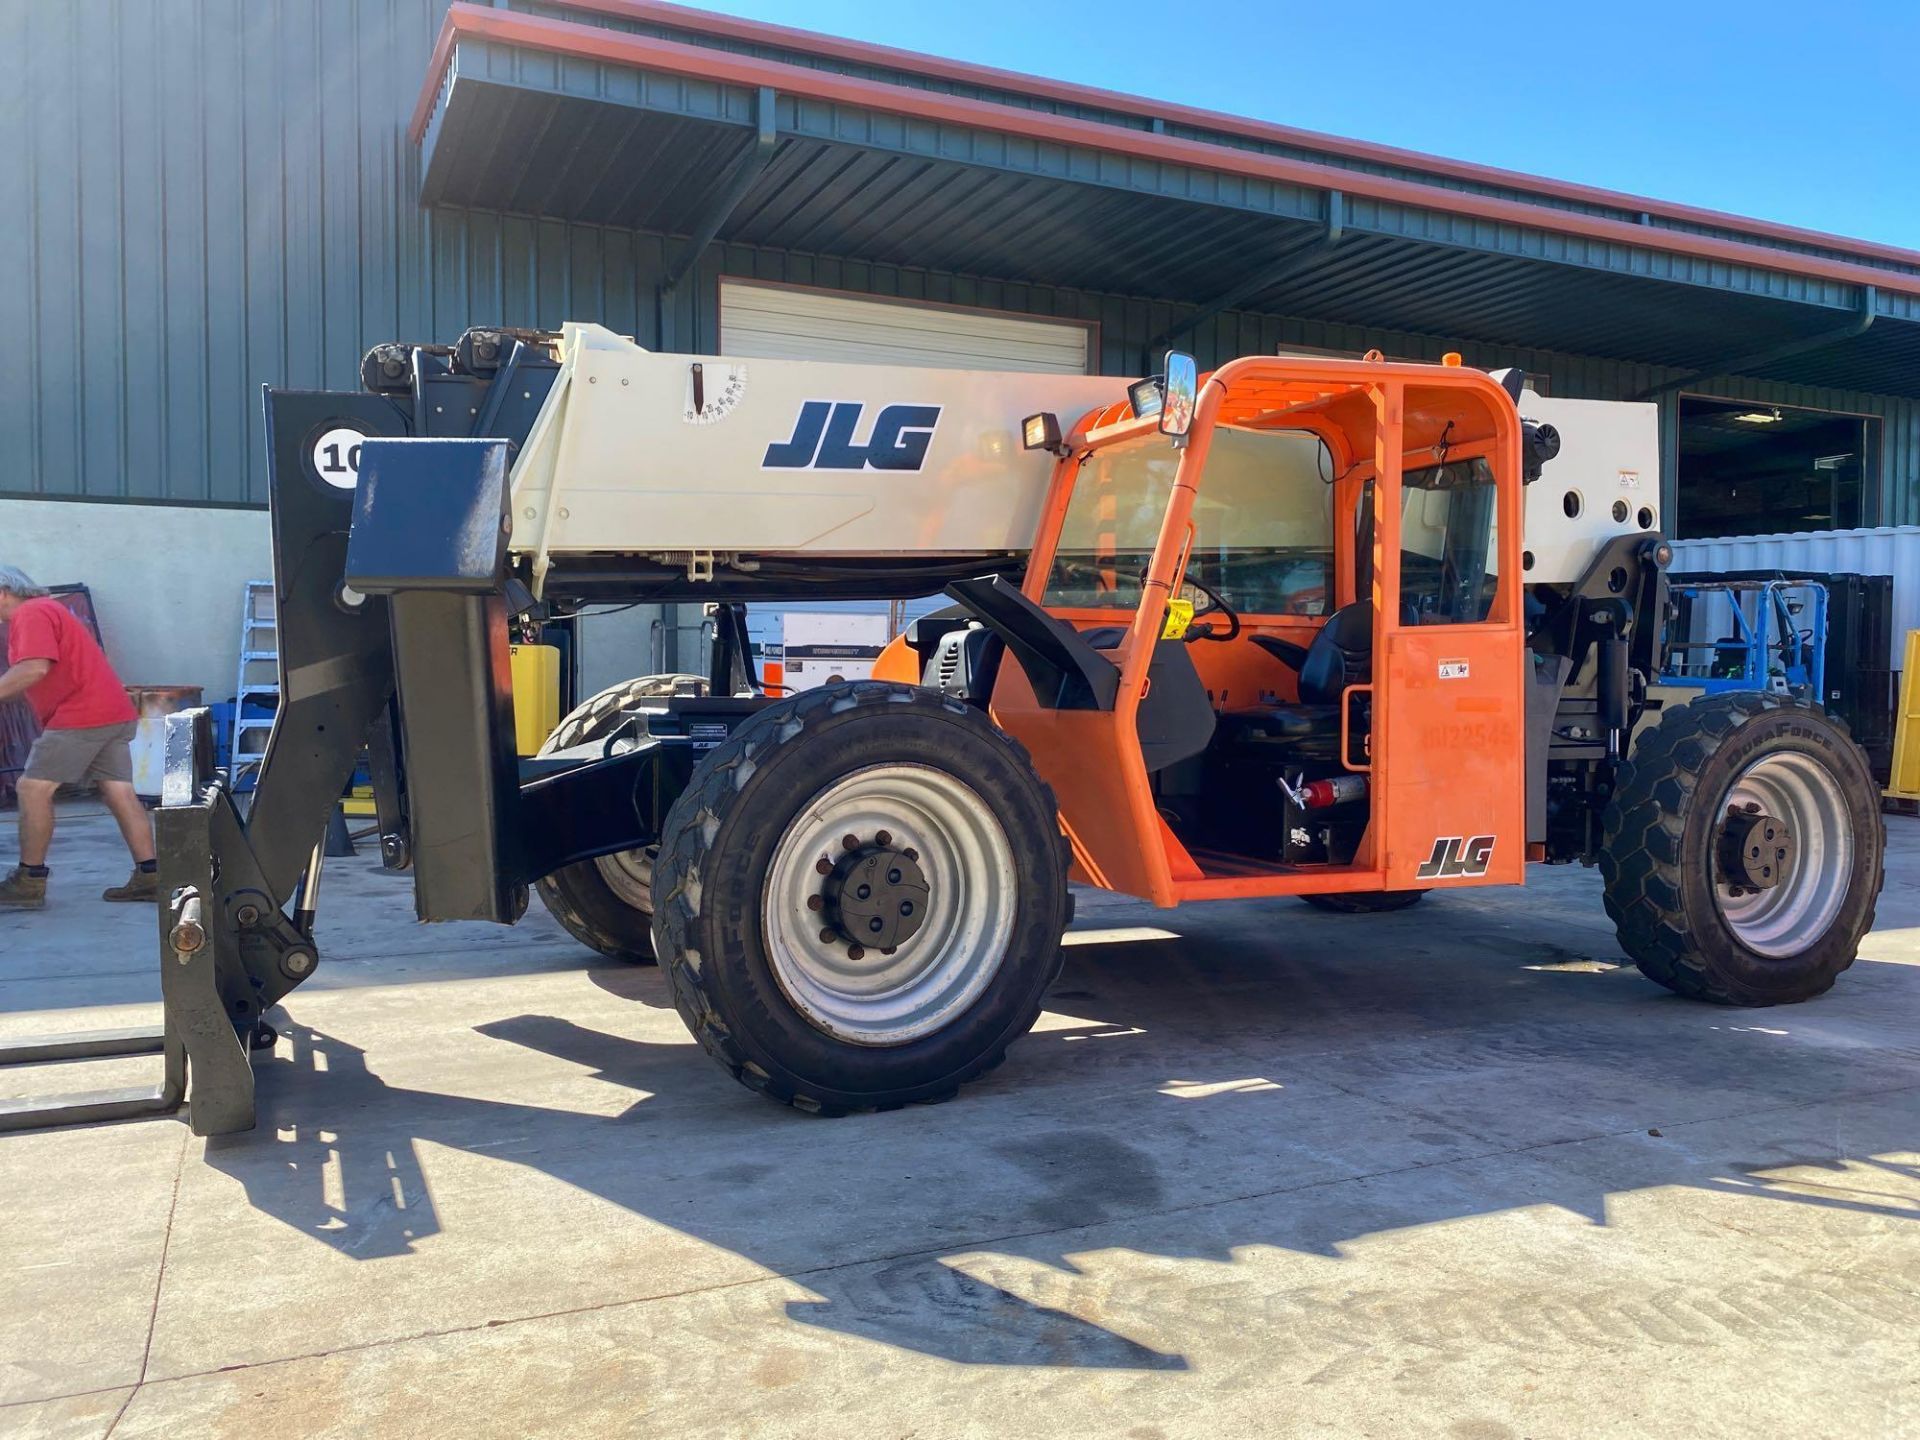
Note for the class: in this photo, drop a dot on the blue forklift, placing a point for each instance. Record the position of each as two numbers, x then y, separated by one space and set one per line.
1741 633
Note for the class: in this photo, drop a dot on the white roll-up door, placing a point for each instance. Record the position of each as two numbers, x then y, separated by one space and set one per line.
780 322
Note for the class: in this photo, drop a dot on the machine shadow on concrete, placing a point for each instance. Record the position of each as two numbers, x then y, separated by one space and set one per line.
1184 1097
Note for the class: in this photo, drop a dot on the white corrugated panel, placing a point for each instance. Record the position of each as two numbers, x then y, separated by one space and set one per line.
780 322
1890 550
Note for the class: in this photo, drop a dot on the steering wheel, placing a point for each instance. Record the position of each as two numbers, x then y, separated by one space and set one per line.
1216 605
1216 602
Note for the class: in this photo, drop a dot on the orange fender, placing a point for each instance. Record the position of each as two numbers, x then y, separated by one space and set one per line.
898 662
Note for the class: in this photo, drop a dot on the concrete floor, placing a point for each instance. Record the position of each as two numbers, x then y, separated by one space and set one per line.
1259 1171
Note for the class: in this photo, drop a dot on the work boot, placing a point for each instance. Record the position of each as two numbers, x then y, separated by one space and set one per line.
21 891
141 885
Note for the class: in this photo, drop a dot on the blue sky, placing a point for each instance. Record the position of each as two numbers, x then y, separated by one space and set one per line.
1804 113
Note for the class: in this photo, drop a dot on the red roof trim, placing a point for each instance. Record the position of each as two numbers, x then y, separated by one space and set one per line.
695 61
965 72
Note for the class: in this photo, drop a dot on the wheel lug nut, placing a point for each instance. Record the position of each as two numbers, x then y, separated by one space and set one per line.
814 902
828 935
849 842
823 865
911 853
882 837
854 952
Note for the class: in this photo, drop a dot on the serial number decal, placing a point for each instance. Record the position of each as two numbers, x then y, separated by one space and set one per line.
1467 735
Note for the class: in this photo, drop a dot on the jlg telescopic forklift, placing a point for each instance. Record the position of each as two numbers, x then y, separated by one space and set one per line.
1341 630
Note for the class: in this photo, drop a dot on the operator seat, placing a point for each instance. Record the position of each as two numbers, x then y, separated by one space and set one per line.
1176 719
1341 655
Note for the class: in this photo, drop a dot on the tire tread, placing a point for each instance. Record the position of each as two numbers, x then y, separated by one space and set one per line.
1640 860
698 814
566 893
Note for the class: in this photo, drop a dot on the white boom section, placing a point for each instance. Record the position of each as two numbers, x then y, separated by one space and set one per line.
801 457
781 456
1609 462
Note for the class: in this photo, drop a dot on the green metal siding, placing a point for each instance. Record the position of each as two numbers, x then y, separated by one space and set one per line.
199 198
213 196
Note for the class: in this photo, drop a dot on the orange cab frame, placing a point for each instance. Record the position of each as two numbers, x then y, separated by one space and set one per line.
1444 756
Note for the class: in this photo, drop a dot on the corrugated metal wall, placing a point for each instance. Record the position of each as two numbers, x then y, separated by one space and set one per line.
199 198
210 196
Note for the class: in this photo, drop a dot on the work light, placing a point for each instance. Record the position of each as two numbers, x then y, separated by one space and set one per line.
1041 432
1146 396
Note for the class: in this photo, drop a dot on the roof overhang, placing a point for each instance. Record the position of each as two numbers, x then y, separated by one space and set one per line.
526 114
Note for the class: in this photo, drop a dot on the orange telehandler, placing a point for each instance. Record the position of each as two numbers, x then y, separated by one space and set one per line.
1344 630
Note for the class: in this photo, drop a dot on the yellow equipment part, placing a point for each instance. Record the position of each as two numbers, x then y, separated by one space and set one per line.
536 696
1906 733
1179 617
536 712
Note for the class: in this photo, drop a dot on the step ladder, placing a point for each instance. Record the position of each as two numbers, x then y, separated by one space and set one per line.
259 678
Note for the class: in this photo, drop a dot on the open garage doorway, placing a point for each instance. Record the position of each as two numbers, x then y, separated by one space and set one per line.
1750 469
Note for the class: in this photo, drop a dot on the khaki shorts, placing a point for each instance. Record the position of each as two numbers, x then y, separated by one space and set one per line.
67 757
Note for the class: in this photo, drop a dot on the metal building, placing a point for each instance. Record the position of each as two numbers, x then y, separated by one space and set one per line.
214 195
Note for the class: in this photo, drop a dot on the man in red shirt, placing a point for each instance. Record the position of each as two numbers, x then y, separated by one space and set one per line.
87 722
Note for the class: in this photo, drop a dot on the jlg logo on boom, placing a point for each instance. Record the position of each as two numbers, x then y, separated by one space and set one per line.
1454 856
823 438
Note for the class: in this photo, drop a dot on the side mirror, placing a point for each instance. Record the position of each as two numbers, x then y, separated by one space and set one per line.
1183 393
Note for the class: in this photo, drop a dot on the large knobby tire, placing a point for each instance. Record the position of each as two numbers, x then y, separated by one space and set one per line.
607 904
1683 922
755 862
1365 902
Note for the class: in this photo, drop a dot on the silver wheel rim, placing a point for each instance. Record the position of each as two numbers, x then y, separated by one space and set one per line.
1794 914
629 875
942 968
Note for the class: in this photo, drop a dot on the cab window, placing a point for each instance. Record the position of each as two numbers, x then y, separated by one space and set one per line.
1448 542
1263 524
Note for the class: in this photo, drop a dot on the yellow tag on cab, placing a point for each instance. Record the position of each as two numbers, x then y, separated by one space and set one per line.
1179 617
